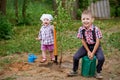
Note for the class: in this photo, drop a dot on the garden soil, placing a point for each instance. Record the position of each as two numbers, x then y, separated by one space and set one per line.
20 69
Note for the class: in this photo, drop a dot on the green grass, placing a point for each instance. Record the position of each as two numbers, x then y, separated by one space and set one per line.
107 24
110 27
24 38
23 41
114 40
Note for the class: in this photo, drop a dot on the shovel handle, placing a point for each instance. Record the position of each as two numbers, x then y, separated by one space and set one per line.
55 40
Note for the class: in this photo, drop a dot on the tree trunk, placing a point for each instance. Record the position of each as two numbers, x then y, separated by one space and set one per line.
63 3
55 6
16 9
24 8
116 7
3 7
116 11
75 8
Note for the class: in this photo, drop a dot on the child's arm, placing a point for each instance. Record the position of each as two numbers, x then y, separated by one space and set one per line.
39 36
98 37
86 47
95 47
52 26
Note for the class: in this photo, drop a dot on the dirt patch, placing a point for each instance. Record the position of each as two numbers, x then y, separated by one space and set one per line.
49 70
1 72
19 66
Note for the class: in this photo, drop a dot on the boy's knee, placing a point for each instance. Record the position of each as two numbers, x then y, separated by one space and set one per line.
101 59
75 58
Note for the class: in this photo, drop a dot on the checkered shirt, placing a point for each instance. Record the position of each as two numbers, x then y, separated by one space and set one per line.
89 35
46 35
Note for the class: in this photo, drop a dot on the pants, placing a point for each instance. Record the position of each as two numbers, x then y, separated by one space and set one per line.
82 52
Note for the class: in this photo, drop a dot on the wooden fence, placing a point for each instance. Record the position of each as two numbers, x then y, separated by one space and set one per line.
100 9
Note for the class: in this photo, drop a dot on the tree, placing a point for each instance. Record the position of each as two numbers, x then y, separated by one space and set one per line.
24 8
55 6
75 7
116 5
3 7
70 7
16 9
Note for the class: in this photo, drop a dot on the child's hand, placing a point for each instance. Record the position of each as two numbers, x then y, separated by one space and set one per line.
37 39
89 54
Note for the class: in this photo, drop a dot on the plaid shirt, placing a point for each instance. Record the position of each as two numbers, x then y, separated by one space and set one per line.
46 35
88 34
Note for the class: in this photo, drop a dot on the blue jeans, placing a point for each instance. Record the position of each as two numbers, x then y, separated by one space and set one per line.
82 52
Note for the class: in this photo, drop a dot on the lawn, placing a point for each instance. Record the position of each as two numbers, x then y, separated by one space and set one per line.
23 39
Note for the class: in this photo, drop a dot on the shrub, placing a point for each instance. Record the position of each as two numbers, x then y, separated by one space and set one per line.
24 21
5 28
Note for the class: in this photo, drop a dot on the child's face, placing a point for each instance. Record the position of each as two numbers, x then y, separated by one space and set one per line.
46 21
87 20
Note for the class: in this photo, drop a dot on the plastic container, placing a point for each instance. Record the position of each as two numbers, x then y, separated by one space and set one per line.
31 58
88 66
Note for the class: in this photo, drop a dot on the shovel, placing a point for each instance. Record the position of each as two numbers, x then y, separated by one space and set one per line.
55 44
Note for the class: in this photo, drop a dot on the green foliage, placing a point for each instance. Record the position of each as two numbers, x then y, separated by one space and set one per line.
62 13
63 20
47 1
23 41
115 8
35 8
83 4
5 28
79 12
114 40
25 21
67 41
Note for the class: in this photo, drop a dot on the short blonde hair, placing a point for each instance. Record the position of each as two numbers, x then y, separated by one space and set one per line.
87 12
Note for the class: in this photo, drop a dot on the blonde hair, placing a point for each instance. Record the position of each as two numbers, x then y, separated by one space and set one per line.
87 12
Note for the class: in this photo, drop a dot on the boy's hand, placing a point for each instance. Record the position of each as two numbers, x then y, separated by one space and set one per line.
89 54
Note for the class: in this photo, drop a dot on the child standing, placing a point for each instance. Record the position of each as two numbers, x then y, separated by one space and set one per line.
46 37
90 36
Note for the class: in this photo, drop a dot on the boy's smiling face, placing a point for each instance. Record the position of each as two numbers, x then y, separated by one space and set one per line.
87 20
